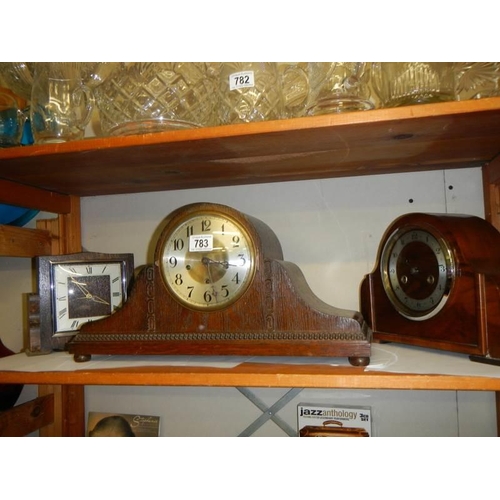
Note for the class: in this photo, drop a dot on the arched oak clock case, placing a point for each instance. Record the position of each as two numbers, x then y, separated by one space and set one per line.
219 286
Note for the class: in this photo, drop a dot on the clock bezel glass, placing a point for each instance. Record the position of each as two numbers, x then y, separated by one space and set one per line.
441 282
212 299
63 291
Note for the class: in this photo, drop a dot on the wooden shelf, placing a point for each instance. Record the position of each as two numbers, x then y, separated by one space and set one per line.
412 138
22 242
443 371
255 375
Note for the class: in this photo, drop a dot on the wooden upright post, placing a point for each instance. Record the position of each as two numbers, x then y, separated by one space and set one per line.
69 403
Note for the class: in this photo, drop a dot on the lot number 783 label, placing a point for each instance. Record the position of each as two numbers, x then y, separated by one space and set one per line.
201 243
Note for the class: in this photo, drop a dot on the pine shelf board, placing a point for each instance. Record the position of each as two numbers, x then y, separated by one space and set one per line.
407 139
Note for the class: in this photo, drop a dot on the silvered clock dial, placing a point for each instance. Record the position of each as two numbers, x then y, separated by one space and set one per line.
207 260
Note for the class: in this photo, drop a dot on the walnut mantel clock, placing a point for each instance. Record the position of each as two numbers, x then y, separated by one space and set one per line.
219 285
436 284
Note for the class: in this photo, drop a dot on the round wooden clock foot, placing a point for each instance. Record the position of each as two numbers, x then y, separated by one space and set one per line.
81 358
359 360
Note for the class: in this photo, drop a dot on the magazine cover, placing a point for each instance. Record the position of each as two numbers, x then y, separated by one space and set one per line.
333 421
122 425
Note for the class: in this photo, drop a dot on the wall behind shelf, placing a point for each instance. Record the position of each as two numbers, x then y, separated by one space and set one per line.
330 228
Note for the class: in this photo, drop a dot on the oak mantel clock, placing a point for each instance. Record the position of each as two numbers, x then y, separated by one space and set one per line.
436 284
219 285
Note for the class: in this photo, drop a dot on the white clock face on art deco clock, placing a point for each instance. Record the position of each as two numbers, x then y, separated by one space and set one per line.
85 292
417 272
207 261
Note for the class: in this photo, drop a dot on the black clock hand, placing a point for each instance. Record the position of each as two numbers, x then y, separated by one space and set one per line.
225 264
207 261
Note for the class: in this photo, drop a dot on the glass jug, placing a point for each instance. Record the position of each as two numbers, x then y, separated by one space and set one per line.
250 92
295 85
61 104
406 83
337 87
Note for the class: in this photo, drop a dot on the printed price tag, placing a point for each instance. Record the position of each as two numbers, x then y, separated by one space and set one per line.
201 243
241 80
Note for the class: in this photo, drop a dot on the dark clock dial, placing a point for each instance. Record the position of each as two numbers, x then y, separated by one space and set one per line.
417 272
86 292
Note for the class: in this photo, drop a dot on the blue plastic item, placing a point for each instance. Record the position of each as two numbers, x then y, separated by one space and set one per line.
16 216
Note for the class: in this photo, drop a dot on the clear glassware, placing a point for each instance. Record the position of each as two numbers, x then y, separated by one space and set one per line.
337 87
295 83
250 92
18 76
475 80
407 83
61 104
138 98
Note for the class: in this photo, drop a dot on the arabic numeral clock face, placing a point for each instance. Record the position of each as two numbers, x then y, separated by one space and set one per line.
417 272
85 292
207 261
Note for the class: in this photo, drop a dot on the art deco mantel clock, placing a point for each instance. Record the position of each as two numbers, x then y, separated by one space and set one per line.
436 284
74 289
219 286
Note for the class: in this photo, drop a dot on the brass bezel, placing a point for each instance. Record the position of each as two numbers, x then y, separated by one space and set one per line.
193 212
401 307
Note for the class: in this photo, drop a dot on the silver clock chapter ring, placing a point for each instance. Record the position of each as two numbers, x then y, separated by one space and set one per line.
417 272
